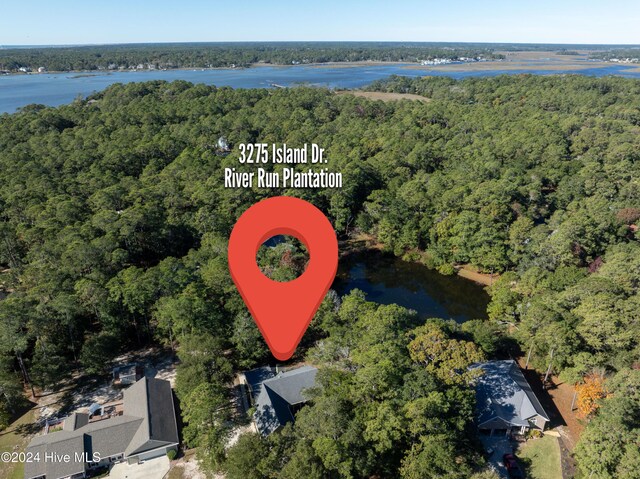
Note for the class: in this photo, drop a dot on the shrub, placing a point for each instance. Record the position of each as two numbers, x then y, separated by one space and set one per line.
534 434
446 269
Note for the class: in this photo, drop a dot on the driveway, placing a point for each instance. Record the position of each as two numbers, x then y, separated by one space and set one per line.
499 445
151 469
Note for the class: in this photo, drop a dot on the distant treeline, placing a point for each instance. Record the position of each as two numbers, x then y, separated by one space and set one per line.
211 55
618 53
567 52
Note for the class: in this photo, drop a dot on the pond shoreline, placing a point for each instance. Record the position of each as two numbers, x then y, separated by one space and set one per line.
361 243
387 279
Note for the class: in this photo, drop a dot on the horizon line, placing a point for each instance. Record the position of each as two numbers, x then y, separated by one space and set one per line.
203 42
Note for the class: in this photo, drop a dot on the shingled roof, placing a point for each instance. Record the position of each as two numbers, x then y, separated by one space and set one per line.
64 445
503 393
146 399
256 377
149 422
75 421
278 394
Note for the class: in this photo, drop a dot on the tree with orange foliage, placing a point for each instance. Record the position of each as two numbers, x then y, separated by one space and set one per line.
590 391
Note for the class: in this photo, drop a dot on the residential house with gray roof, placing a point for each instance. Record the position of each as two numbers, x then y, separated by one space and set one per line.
505 401
277 396
146 429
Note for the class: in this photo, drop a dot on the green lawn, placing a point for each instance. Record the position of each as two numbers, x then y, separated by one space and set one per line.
541 458
15 438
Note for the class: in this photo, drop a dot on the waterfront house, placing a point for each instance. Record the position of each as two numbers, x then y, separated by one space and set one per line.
506 403
277 396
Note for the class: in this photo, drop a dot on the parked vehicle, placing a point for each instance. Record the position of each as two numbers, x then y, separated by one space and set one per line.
513 469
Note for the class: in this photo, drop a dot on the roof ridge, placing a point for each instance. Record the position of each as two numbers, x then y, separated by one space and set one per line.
529 392
148 406
290 372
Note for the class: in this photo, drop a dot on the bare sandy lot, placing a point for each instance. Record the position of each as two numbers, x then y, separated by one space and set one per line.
78 394
188 467
468 272
384 96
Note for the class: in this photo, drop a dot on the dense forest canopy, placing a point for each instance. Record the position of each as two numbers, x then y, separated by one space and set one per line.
113 230
211 55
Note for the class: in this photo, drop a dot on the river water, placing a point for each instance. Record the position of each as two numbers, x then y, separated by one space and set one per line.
56 89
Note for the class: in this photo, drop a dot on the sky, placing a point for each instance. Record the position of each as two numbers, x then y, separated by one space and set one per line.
64 22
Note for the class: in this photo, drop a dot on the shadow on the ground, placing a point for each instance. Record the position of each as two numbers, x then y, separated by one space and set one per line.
28 429
535 381
526 464
179 421
22 409
67 402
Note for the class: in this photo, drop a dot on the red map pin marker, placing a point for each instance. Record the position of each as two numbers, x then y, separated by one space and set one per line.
283 311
